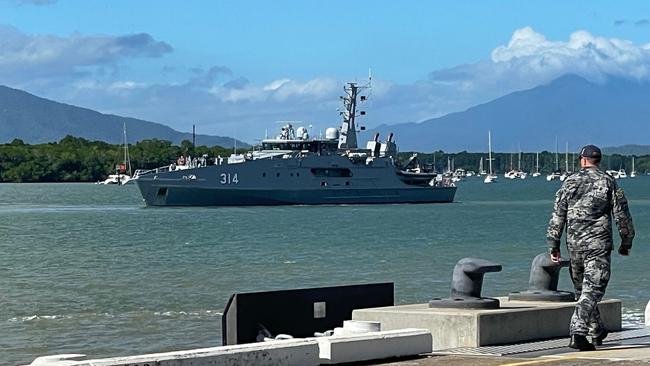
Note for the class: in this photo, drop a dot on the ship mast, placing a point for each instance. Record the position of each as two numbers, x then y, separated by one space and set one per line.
348 135
127 158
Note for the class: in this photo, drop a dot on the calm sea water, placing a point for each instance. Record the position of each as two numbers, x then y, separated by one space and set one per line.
88 269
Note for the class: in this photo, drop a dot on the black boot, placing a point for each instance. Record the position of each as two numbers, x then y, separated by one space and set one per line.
598 341
581 343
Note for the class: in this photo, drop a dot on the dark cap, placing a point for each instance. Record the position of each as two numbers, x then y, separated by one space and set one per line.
591 151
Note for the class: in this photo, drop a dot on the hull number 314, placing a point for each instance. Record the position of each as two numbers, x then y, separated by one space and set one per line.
228 178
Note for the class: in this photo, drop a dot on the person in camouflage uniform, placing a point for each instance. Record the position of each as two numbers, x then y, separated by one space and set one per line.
584 205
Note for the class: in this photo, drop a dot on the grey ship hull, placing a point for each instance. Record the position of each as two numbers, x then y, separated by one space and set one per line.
293 181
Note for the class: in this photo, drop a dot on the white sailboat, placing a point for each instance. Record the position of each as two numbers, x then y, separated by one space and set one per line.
121 177
556 173
520 173
566 172
515 173
130 178
512 173
537 173
633 172
481 170
491 177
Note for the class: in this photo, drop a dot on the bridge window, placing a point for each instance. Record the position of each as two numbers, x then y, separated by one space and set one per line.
331 172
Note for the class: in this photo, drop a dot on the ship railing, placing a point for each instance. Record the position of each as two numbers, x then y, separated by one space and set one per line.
162 169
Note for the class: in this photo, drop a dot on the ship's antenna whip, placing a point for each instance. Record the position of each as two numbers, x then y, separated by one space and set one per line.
234 139
370 84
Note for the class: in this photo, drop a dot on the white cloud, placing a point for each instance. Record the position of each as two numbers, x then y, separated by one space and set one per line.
126 85
315 89
528 60
280 90
32 59
221 102
583 54
276 84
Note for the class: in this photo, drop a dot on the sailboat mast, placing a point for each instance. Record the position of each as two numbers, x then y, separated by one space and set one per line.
557 158
127 158
573 162
537 162
490 150
566 158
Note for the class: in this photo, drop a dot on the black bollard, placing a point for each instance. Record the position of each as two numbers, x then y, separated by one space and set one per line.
542 285
466 285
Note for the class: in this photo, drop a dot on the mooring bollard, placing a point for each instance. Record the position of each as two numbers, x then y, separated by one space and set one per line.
466 285
542 285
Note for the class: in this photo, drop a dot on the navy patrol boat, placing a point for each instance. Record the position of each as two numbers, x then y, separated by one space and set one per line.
295 169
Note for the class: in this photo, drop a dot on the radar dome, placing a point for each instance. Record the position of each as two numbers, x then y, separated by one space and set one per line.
301 132
332 133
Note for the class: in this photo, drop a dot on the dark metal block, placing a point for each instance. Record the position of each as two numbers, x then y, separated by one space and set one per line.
300 312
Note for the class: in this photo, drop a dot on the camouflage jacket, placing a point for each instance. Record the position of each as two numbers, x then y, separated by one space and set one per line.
585 204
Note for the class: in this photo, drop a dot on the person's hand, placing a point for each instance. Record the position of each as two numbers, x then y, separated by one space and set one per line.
555 255
624 251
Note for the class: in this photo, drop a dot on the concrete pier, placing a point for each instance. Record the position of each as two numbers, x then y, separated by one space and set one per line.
292 352
346 347
514 322
428 336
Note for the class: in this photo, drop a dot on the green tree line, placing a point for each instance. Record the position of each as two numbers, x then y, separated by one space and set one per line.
503 162
75 159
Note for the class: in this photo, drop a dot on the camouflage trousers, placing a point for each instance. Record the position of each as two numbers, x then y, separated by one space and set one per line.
590 271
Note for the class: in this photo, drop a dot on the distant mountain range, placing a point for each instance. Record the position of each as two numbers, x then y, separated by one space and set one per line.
38 120
615 112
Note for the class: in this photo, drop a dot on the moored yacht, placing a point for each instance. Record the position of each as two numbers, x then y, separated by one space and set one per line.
115 179
556 174
536 173
121 177
490 177
566 172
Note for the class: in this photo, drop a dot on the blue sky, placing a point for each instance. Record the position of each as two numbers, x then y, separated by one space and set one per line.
238 66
